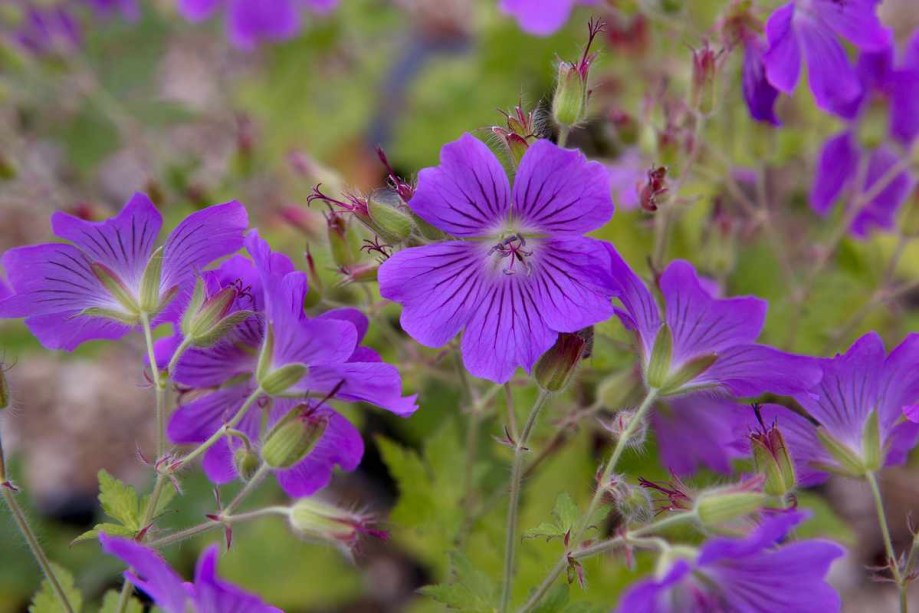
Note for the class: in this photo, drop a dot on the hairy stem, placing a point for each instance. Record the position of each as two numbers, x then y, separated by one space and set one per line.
512 509
248 488
888 541
223 519
216 436
159 385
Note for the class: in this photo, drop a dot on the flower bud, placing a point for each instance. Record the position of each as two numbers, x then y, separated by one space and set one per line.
848 462
715 508
339 240
569 104
871 131
554 369
246 462
620 422
391 223
359 273
633 503
282 379
292 439
772 461
206 322
704 69
653 189
318 520
314 295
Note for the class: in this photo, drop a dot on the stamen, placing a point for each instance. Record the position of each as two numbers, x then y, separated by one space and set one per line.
512 247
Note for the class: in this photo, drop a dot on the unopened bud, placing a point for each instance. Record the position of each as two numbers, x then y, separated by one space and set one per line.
847 461
391 223
246 462
206 322
715 508
292 439
339 240
314 295
282 379
360 273
633 503
704 69
772 461
654 189
554 369
622 421
150 283
569 104
325 522
871 130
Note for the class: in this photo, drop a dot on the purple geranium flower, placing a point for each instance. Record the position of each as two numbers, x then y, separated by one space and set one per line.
93 286
754 573
713 340
861 381
207 594
758 92
524 272
841 155
328 346
814 27
252 22
541 17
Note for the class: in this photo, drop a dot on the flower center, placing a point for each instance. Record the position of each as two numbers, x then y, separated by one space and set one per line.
511 249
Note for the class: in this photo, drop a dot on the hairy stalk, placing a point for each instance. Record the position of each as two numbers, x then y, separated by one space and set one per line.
200 449
159 385
248 488
633 537
888 542
223 519
563 132
512 509
23 524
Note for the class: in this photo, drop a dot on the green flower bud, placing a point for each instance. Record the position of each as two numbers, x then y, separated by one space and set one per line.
554 369
318 520
704 68
282 379
771 458
871 131
715 508
206 322
658 367
292 439
360 273
246 462
569 105
339 240
388 220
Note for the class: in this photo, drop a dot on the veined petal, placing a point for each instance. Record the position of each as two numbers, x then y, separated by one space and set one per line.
701 324
539 17
250 22
214 595
195 421
341 444
307 341
467 194
212 366
759 94
700 431
375 383
856 21
783 57
837 165
749 370
899 386
198 10
149 572
641 312
123 243
439 287
559 191
832 78
354 316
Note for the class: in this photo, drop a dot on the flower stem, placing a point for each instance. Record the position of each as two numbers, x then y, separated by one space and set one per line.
888 541
182 535
512 509
35 546
216 436
563 132
159 385
248 488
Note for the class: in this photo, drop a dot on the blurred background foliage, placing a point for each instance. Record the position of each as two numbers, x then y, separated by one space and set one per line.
168 107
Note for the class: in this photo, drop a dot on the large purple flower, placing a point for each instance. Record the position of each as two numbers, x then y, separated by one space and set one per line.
327 346
522 272
862 381
754 573
206 594
712 341
100 284
252 22
541 17
814 27
896 86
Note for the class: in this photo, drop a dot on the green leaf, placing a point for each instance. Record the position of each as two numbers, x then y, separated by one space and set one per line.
468 590
566 514
110 603
119 501
167 495
106 528
46 600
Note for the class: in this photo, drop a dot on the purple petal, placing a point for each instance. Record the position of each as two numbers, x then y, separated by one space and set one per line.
438 287
213 595
783 58
832 78
899 387
856 21
199 10
701 324
149 572
559 192
215 365
373 382
758 92
123 243
251 22
538 17
750 370
467 194
772 531
303 341
881 212
903 90
641 312
837 165
662 595
195 421
341 445
218 463
355 317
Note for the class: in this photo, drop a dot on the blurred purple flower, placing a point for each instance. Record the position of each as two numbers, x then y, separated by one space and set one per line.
754 573
128 9
838 167
706 329
626 173
46 30
206 594
814 28
90 288
525 272
541 17
253 22
758 92
862 380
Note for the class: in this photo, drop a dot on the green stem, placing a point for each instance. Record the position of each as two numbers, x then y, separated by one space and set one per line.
200 449
210 525
35 546
248 488
159 385
888 541
563 132
512 509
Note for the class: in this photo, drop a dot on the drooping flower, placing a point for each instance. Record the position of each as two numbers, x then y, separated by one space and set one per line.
704 343
208 593
277 336
253 22
521 271
541 17
100 284
813 27
858 409
755 573
883 84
